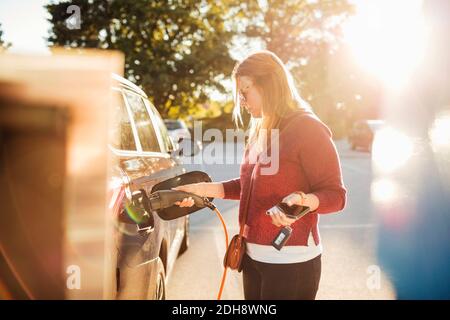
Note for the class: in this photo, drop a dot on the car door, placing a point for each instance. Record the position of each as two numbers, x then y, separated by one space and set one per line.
177 168
131 281
139 157
153 150
360 133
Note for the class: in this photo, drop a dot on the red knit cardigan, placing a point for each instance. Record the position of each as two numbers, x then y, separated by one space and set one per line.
308 162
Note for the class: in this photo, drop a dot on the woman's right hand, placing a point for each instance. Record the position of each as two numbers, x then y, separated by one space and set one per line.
195 188
202 189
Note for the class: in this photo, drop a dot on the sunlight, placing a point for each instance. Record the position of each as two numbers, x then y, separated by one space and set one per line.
391 149
440 133
383 190
387 38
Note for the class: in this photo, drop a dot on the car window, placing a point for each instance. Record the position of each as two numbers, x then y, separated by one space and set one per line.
121 132
143 122
162 128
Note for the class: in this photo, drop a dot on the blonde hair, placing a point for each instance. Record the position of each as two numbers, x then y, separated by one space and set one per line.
275 84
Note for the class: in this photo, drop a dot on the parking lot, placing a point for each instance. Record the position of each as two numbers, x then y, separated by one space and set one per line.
349 265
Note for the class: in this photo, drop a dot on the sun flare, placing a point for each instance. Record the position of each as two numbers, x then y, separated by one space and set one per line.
387 38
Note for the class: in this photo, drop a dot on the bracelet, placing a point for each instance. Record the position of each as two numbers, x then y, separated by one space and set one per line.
303 196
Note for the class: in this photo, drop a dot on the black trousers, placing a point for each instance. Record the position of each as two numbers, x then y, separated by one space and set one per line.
291 281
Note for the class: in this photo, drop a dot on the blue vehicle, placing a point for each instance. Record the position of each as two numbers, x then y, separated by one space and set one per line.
411 163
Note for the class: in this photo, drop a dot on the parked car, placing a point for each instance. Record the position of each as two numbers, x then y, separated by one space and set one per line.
143 155
177 129
117 255
362 133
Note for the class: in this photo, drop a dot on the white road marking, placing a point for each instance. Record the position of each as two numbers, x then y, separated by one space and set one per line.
232 231
211 228
348 226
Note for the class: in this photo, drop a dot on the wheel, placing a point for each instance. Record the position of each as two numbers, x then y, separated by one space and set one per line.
185 242
160 290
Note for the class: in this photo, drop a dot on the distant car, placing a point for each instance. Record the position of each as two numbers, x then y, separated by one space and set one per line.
363 132
177 129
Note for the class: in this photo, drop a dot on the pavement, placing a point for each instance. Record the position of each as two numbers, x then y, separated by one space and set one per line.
349 266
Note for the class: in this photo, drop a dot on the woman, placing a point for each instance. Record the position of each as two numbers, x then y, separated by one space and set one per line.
308 174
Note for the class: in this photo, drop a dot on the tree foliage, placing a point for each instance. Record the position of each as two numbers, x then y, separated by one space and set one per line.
177 49
306 35
173 49
296 29
3 45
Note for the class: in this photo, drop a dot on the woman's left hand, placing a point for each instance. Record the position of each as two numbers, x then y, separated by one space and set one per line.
293 198
279 218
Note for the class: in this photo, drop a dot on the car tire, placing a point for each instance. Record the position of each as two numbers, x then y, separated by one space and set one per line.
185 242
160 289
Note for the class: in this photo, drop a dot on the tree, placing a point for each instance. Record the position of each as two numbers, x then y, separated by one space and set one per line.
3 45
173 49
305 35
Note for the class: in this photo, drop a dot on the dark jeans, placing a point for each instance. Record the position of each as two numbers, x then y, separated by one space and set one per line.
291 281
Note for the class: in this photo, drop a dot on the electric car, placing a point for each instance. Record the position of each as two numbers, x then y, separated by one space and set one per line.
143 154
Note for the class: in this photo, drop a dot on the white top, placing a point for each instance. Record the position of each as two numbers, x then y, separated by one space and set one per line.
287 254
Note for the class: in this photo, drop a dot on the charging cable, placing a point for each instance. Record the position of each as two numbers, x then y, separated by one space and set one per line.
160 200
211 206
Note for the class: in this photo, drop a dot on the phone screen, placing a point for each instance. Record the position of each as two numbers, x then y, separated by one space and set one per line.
294 211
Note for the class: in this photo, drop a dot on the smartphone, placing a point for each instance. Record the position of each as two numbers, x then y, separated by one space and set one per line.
294 211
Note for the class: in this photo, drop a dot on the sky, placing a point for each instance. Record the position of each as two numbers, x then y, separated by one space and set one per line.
372 33
24 24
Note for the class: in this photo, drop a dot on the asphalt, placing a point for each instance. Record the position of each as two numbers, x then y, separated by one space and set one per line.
349 265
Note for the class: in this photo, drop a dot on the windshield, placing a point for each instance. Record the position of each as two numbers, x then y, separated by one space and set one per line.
174 125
